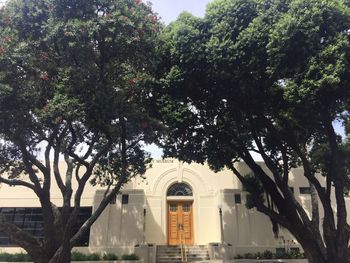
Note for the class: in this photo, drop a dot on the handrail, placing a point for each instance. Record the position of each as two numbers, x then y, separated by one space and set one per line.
182 245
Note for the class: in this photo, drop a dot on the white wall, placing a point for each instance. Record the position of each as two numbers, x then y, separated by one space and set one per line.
120 227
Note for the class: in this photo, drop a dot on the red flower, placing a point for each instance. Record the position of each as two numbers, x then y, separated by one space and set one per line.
132 81
2 50
138 1
44 76
6 39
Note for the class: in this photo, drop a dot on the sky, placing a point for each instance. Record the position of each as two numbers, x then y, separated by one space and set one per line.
168 10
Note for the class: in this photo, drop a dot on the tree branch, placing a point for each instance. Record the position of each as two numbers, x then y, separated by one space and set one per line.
17 182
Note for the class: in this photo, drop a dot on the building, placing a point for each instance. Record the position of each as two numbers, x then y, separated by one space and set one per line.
174 203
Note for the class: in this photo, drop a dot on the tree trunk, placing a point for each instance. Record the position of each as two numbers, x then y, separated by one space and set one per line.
62 255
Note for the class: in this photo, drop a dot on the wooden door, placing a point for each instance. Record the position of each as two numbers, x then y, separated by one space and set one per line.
180 226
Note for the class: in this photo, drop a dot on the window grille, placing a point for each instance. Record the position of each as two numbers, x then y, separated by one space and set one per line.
30 219
180 189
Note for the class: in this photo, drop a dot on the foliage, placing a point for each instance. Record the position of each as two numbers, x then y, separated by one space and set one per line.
267 78
76 256
130 257
16 257
270 255
110 256
71 90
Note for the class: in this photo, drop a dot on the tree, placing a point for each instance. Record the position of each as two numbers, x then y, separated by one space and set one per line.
268 77
71 88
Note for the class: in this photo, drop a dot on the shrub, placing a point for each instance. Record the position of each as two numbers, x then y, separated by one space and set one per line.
93 257
17 257
249 255
110 256
129 257
78 256
258 255
267 254
292 254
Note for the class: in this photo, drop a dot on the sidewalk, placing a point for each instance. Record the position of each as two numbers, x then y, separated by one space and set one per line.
256 261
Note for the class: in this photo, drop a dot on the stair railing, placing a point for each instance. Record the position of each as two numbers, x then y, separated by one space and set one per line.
182 244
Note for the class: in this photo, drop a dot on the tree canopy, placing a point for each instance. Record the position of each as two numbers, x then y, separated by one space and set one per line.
71 89
270 78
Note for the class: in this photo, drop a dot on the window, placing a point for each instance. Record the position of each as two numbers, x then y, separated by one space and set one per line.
30 219
180 189
186 208
172 207
238 199
125 199
114 200
305 190
291 189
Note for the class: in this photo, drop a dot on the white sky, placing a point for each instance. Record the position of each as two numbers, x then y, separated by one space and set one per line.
168 10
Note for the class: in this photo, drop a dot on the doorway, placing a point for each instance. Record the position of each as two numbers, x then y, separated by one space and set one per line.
180 222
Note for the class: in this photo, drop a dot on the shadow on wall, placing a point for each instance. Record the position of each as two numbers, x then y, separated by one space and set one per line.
249 230
121 226
154 233
245 229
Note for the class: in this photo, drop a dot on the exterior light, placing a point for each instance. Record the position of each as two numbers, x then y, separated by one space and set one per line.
144 224
221 224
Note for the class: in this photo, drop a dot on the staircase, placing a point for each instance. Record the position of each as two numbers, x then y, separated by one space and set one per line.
172 254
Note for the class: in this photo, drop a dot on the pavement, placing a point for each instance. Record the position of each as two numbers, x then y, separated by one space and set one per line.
255 261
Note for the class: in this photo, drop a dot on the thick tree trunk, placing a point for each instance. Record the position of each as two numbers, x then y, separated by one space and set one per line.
62 255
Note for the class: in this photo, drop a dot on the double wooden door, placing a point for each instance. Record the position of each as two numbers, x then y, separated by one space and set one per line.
180 226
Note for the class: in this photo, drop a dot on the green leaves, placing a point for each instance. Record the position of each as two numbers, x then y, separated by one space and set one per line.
273 73
69 65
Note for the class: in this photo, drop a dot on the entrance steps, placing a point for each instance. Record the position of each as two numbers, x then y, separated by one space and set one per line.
172 254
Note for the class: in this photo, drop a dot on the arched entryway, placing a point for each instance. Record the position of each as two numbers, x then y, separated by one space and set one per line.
180 214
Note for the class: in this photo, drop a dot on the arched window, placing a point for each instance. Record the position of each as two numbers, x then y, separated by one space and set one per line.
179 189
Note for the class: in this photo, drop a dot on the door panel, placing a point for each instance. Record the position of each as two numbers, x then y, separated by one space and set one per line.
180 227
173 223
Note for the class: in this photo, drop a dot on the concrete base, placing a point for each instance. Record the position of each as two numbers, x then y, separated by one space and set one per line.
221 251
146 252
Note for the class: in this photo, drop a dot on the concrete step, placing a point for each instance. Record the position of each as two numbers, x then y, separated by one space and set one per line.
172 254
179 255
179 260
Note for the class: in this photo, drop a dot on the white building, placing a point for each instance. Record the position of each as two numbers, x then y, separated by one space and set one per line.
175 203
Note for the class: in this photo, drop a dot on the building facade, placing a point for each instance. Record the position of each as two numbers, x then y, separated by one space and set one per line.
174 203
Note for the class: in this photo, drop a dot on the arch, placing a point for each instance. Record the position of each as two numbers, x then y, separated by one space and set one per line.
179 189
169 177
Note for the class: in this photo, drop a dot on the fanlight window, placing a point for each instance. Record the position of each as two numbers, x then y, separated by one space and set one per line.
179 189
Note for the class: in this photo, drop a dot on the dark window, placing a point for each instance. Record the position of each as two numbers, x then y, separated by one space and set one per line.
180 189
238 199
172 207
305 190
114 200
186 208
31 220
125 199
